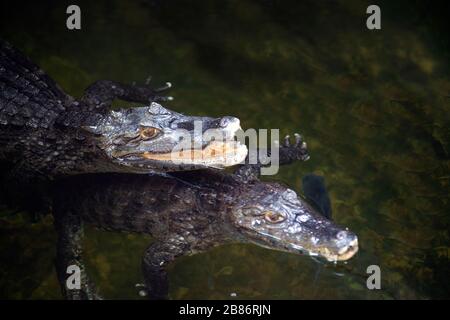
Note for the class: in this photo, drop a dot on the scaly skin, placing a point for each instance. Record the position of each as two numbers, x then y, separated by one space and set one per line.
190 212
45 132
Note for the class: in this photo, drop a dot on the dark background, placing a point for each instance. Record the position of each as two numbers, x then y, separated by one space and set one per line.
372 105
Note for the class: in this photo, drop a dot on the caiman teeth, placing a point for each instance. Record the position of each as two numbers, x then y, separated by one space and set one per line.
216 153
349 251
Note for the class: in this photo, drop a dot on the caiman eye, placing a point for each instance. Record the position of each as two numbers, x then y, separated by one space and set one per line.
274 217
252 211
149 132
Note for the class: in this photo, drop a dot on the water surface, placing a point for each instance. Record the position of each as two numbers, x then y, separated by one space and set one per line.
373 107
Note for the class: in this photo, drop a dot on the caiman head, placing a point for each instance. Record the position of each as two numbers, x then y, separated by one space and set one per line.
154 138
273 216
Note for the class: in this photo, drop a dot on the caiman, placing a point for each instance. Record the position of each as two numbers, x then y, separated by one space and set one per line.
188 213
47 133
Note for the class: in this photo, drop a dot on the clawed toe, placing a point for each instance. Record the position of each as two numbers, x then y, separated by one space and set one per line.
287 141
162 98
156 97
160 89
299 143
304 145
298 139
298 150
142 289
165 87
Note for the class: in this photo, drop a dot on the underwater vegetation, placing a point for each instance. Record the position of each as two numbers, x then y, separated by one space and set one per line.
374 108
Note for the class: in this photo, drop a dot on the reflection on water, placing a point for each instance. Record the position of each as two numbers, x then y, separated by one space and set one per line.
373 107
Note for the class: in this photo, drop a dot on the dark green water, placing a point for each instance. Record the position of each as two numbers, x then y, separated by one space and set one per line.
310 67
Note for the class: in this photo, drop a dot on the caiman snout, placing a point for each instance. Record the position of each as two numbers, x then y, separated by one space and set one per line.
346 244
348 250
289 223
230 125
229 121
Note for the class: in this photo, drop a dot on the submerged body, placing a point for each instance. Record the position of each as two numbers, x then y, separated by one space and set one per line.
316 192
46 133
190 212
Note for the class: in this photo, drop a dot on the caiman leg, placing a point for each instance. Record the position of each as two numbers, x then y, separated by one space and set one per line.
156 259
101 94
288 153
292 152
69 253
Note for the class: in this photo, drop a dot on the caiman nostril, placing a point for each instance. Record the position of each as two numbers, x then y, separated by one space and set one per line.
341 235
226 121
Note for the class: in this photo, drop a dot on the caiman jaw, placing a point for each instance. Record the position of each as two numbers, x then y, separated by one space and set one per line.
215 154
155 138
348 252
345 253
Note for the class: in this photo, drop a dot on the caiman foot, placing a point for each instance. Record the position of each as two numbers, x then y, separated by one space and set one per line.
156 97
154 262
142 289
291 152
99 95
287 152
